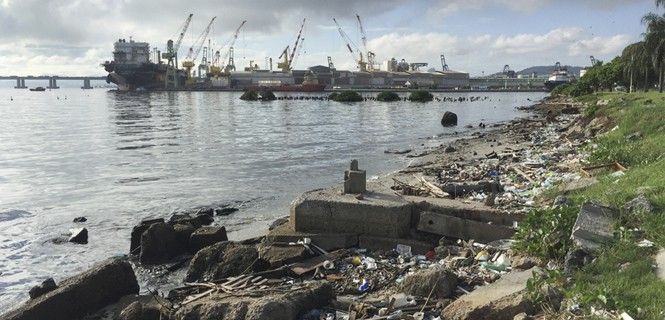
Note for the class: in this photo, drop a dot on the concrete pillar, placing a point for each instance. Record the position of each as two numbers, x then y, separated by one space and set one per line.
20 83
86 84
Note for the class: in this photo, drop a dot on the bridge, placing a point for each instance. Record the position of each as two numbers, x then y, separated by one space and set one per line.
52 80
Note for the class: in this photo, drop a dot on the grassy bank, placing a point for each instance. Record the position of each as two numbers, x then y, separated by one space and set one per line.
621 278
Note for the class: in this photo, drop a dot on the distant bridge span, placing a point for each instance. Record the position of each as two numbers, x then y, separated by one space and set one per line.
52 80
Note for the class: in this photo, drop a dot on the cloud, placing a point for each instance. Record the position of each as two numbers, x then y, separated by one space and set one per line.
448 7
602 45
528 43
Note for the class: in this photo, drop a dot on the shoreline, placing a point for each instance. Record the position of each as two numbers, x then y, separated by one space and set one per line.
481 142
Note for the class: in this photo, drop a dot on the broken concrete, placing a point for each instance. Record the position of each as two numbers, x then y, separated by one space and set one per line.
660 264
501 300
328 211
355 180
385 244
594 226
284 233
440 282
450 226
103 284
639 204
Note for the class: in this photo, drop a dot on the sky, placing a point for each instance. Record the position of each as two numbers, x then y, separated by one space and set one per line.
72 37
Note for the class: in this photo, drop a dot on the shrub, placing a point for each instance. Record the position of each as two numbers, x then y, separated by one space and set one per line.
345 96
420 96
249 96
545 233
388 96
267 95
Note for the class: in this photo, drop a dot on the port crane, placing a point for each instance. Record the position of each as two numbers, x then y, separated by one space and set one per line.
171 55
363 36
362 65
287 63
195 49
444 65
216 68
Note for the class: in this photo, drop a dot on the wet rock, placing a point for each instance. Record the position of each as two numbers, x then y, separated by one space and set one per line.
103 284
395 151
449 149
575 260
197 221
421 283
47 285
221 260
206 236
639 204
183 232
137 231
226 211
80 219
78 235
159 244
449 119
501 300
138 311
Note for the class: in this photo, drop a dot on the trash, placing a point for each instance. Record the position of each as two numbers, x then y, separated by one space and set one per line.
403 250
364 286
328 265
483 255
603 168
645 244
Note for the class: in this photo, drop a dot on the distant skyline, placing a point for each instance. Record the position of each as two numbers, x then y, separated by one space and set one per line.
69 37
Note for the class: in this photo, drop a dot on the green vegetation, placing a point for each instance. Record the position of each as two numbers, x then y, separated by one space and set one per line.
621 277
345 96
420 96
264 95
388 96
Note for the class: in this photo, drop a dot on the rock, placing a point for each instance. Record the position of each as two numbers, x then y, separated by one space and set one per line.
159 244
80 219
449 119
206 236
197 221
594 226
449 149
421 283
226 211
183 232
103 284
523 262
278 222
561 201
521 316
47 285
78 235
283 306
278 256
639 204
395 151
221 260
137 231
576 259
633 136
138 311
660 264
501 300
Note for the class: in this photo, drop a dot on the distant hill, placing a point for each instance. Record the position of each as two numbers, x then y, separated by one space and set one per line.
545 70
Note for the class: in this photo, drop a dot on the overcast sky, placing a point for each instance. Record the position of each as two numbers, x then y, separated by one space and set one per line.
69 37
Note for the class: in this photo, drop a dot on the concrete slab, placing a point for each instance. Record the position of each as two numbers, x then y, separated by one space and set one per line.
660 264
380 243
451 226
330 211
327 241
594 226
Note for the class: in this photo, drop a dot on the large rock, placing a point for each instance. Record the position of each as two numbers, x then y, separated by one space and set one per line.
206 236
222 260
278 256
78 235
47 285
159 244
284 306
639 204
139 311
137 232
449 119
420 283
594 226
501 300
103 284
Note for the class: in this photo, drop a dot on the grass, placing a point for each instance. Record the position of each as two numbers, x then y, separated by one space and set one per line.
622 277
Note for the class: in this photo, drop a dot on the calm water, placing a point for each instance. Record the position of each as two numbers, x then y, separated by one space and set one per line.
118 158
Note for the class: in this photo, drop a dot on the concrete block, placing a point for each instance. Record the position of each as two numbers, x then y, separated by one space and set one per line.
594 226
103 284
381 243
327 241
450 226
355 180
328 211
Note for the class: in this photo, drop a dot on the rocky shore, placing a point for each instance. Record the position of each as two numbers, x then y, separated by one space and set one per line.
431 241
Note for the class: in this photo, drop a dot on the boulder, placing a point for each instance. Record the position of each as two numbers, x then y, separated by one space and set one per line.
197 221
80 219
138 311
221 260
594 226
501 300
183 231
206 236
102 285
449 119
78 235
639 204
283 306
47 285
278 256
226 211
159 244
420 283
137 231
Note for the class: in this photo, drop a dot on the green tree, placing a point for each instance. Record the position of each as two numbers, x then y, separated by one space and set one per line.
654 39
637 62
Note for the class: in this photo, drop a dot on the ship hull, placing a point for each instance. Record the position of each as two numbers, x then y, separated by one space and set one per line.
550 84
290 88
128 77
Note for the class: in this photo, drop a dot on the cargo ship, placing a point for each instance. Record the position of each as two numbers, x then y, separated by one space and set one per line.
558 77
131 68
